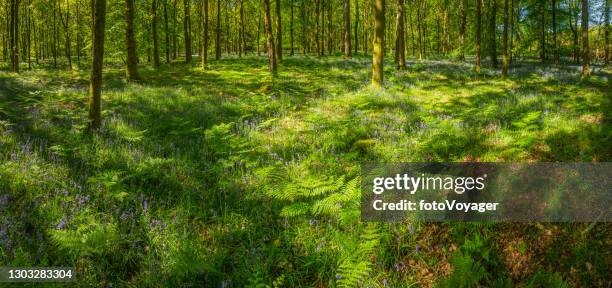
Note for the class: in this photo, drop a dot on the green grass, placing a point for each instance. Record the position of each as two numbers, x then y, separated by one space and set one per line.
228 178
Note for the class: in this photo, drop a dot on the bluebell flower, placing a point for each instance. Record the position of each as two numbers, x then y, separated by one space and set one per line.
338 276
61 224
417 249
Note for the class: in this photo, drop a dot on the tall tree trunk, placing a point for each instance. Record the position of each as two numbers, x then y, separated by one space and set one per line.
258 33
378 44
78 33
291 28
607 32
329 27
14 35
573 19
478 32
242 33
154 32
506 59
269 37
174 30
462 23
554 28
493 35
279 32
95 85
131 68
218 32
317 27
187 30
67 36
542 32
586 57
205 48
401 50
347 29
356 36
167 32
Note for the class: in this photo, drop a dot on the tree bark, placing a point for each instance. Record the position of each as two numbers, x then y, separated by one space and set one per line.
478 32
14 35
542 32
462 24
506 59
607 32
400 47
554 28
205 40
187 30
95 85
378 44
218 32
131 63
242 33
347 29
167 32
356 36
493 34
291 28
154 33
586 57
269 37
279 32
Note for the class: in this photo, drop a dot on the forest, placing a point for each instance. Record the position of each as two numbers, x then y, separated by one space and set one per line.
218 143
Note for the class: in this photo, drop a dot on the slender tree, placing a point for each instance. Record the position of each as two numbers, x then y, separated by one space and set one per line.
218 32
356 30
279 32
131 68
14 35
542 32
154 33
607 32
167 32
379 42
506 59
242 42
400 47
554 31
291 27
95 84
187 30
347 29
269 37
493 34
205 36
586 57
478 32
462 24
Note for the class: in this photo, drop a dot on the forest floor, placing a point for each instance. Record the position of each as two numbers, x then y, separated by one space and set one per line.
226 177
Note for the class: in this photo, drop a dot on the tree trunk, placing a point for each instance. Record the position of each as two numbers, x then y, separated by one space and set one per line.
14 35
586 57
154 32
187 30
269 37
218 32
493 36
347 29
317 27
167 32
258 33
131 67
478 32
95 85
356 36
329 27
506 59
542 32
205 48
400 47
174 32
279 32
291 28
378 44
607 32
554 28
462 24
242 33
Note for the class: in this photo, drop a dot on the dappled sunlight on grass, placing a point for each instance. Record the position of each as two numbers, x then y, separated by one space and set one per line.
202 176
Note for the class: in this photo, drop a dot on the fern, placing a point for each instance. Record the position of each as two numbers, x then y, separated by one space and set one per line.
355 264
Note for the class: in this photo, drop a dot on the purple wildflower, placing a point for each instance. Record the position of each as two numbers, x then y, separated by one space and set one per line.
417 249
61 224
338 276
